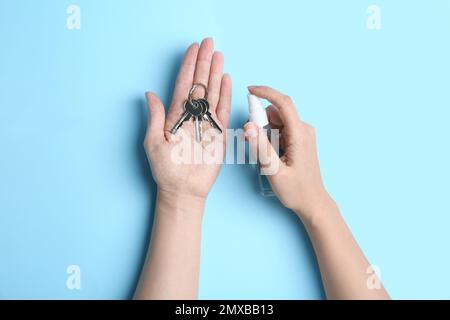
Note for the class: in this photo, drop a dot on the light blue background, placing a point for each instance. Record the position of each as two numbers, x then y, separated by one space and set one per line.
75 187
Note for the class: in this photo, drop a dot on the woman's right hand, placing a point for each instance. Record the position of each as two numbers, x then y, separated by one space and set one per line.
297 182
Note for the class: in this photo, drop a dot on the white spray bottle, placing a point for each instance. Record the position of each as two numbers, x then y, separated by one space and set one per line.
257 114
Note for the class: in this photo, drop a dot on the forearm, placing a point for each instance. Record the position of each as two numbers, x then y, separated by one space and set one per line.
342 264
171 269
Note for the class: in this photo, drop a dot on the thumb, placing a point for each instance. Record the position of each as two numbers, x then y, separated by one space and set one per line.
261 148
156 118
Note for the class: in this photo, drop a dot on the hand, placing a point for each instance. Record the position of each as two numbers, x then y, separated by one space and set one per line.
297 182
200 65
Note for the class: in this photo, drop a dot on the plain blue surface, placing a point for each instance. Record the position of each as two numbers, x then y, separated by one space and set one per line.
75 187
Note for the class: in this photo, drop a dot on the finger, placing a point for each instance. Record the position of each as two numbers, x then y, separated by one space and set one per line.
203 65
284 103
224 104
273 114
156 117
215 79
260 146
183 84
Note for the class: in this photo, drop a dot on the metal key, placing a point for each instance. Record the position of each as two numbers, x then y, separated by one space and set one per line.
184 117
196 110
198 117
207 115
198 128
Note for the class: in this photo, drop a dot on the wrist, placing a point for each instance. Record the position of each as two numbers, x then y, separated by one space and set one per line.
321 206
180 205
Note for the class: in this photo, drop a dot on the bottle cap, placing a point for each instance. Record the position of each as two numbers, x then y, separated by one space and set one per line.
256 112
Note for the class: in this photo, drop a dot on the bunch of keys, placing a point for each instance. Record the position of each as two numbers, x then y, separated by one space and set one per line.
198 110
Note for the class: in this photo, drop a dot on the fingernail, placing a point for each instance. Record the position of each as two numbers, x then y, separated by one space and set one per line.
251 133
210 39
149 97
252 87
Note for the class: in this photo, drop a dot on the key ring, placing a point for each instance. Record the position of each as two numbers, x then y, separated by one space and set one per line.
194 87
198 109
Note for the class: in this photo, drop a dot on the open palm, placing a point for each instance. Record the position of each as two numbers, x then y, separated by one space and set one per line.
203 66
